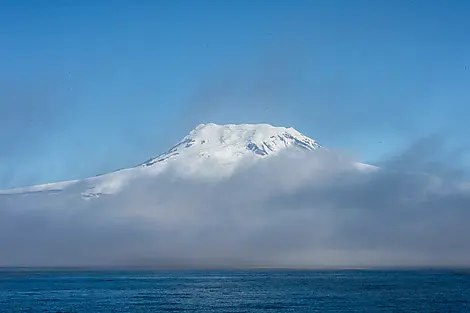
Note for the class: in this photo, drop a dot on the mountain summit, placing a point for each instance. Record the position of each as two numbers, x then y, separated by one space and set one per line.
228 143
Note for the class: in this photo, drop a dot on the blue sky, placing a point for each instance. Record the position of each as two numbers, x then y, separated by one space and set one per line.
88 88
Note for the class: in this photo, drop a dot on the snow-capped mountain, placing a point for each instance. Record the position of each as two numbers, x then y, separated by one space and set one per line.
228 144
210 150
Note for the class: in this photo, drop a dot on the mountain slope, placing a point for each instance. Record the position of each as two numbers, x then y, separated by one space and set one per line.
210 150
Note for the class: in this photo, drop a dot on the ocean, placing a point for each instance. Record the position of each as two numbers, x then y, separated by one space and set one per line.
234 291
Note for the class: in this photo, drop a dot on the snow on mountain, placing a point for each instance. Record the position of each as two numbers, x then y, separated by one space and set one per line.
228 144
210 150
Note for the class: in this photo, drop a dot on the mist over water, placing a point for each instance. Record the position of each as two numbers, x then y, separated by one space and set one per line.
311 210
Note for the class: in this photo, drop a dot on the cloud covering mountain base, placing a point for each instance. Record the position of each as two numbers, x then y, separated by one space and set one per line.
307 210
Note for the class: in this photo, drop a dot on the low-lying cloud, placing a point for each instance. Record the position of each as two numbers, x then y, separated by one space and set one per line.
302 211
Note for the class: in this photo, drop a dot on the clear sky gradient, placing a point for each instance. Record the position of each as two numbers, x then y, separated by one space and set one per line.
87 88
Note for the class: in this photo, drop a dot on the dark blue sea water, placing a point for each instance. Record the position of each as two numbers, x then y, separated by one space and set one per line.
234 291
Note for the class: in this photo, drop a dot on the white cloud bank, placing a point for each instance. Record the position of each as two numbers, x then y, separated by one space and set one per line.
304 211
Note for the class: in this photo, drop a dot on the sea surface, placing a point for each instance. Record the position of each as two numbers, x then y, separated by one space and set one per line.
234 291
